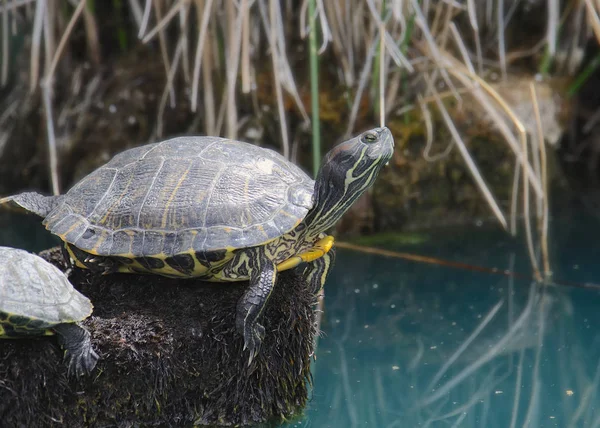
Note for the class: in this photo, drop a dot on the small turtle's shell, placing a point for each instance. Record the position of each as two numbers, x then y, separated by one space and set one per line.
35 295
185 194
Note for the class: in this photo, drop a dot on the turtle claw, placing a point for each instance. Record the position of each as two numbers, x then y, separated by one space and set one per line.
81 364
253 337
79 354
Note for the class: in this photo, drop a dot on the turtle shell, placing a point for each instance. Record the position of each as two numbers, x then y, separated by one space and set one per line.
35 295
184 194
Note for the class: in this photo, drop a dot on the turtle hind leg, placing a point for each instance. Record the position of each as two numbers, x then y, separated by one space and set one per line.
98 264
32 202
77 344
251 305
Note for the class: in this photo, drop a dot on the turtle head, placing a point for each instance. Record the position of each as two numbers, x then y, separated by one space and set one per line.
347 171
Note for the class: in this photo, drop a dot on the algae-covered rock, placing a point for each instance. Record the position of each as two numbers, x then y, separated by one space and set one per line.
169 356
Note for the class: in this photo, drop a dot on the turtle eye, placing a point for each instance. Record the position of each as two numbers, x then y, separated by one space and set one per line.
369 137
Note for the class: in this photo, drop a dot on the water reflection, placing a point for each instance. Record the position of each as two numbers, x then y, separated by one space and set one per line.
409 345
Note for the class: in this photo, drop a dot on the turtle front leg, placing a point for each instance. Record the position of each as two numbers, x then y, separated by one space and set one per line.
318 250
77 344
262 273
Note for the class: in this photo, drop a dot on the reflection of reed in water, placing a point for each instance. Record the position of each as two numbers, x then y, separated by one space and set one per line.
434 360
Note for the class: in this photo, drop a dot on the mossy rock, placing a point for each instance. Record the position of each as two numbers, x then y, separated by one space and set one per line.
169 356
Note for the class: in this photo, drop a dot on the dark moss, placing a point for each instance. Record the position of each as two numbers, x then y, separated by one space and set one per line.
169 356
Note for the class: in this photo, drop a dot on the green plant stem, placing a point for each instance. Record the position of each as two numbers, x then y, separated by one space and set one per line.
410 25
314 88
583 76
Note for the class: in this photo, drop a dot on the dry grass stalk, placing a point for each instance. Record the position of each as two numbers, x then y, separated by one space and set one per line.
165 20
487 194
163 47
205 10
233 41
352 29
47 84
382 74
543 221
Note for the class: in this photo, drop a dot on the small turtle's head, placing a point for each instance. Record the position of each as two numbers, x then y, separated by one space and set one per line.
347 171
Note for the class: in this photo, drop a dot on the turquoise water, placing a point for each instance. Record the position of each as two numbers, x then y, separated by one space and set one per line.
408 344
415 345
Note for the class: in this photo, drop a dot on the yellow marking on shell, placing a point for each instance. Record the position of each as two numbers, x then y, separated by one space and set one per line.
4 335
262 229
93 251
198 270
63 235
100 240
177 186
284 212
298 220
131 234
166 270
319 249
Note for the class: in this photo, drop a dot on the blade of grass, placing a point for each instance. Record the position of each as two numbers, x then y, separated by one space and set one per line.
92 36
382 58
136 11
36 37
275 53
582 77
5 49
434 51
163 47
487 194
232 54
552 26
185 54
362 83
15 4
314 87
458 70
526 213
501 41
471 9
145 18
206 11
47 90
429 134
210 105
245 10
168 86
514 199
543 226
165 20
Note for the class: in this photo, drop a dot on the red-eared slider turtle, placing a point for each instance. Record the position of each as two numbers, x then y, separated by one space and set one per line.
213 208
37 299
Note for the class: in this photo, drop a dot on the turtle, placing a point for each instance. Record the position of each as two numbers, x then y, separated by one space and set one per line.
37 299
213 208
